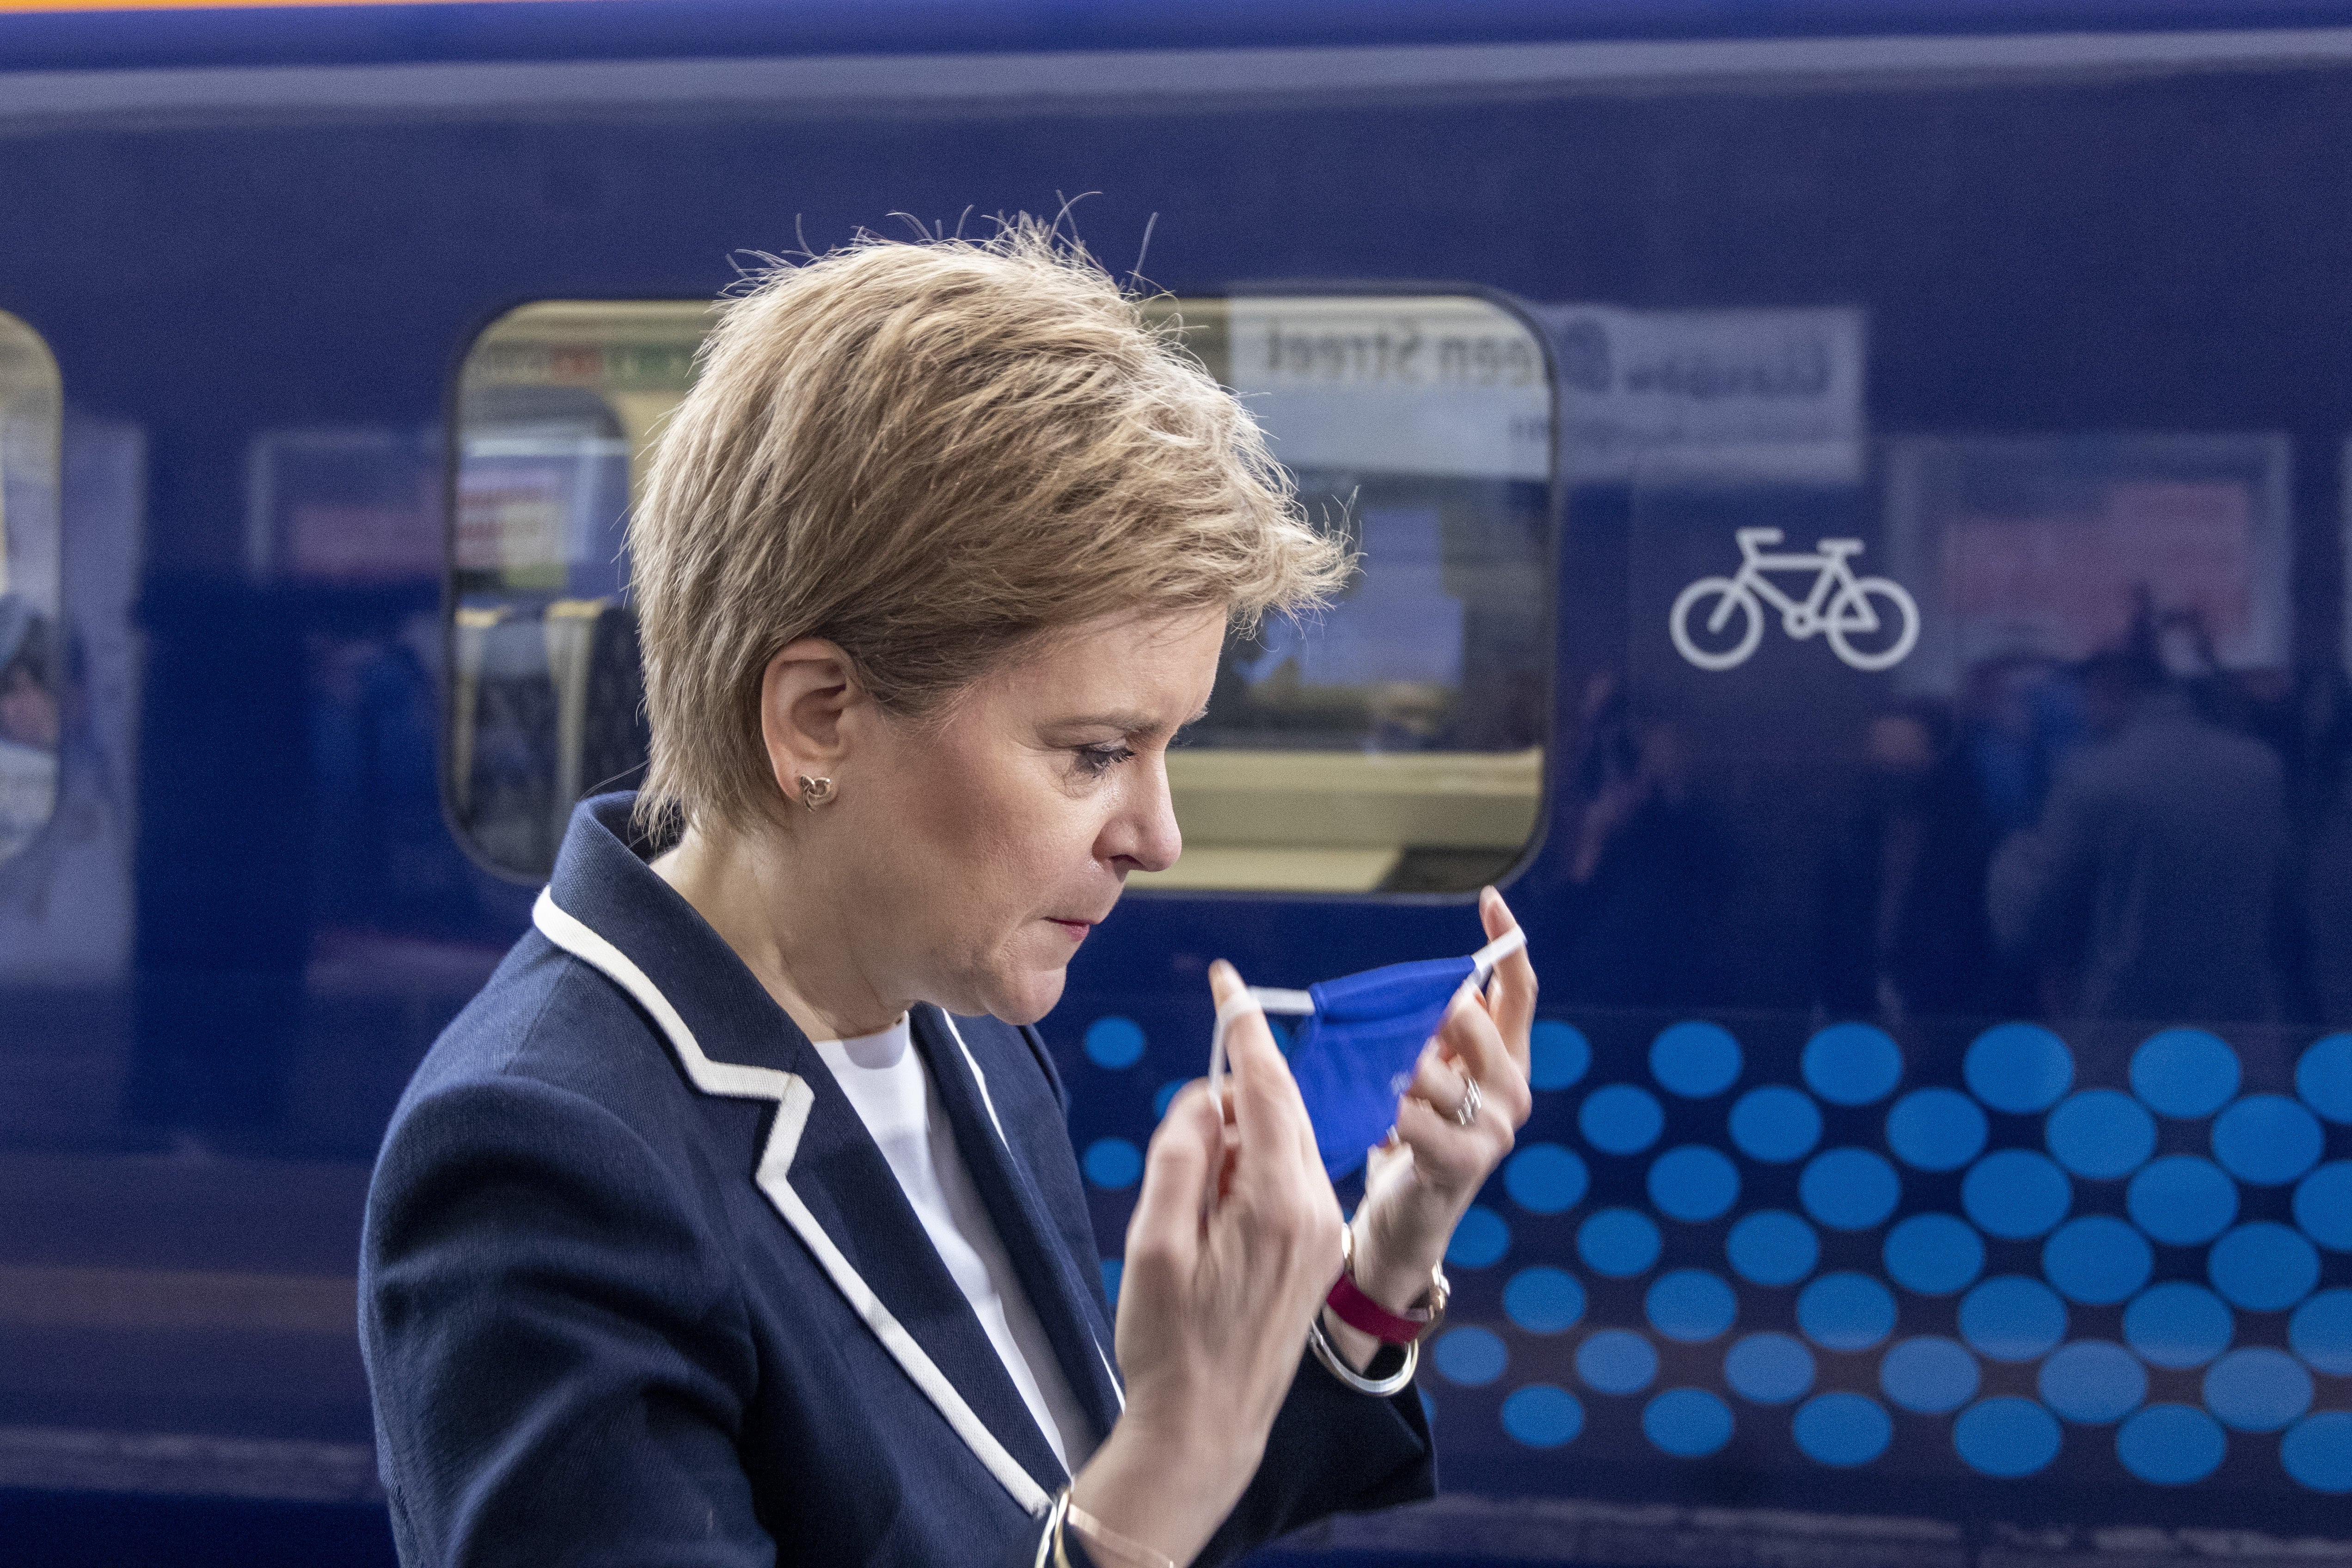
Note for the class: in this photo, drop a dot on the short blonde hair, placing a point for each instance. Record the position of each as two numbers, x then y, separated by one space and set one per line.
934 454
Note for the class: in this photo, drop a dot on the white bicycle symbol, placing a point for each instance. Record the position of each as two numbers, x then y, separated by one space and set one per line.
1839 604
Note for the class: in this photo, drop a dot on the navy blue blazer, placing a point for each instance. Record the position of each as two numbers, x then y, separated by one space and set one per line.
638 1287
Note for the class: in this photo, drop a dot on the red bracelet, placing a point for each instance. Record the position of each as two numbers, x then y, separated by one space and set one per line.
1360 1312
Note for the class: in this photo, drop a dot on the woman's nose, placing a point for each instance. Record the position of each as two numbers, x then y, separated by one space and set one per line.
1143 836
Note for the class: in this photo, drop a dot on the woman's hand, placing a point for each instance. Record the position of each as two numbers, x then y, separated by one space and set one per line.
1417 1185
1234 1243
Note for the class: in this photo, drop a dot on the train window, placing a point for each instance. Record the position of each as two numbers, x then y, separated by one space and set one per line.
556 405
1394 743
32 648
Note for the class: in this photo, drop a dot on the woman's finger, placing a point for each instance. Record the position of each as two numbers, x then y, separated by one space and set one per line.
1511 994
1269 1115
1447 1156
1444 1084
1178 1170
1469 1035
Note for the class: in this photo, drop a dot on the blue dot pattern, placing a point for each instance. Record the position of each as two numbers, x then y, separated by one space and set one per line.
1688 1423
1843 1429
2018 1068
1934 1254
1849 1189
1936 1130
1775 1124
2323 1078
1621 1118
2263 1267
1543 1415
1690 1305
2266 1140
2322 1206
1471 1356
1545 1178
1114 1043
2321 1333
1772 1246
2100 1133
2182 1200
1929 1375
1769 1369
1619 1243
2015 1194
1113 1164
1851 1064
1480 1240
1694 1061
2098 1260
1694 1182
1846 1312
2142 1251
2258 1389
2013 1319
2171 1444
1544 1300
1616 1362
2317 1452
1558 1054
2093 1382
2185 1073
2006 1437
2179 1325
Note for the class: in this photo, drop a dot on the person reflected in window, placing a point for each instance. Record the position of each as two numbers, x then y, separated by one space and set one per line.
737 1221
1649 865
29 723
2154 869
1903 930
2323 792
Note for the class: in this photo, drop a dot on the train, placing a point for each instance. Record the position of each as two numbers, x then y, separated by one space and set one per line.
1853 503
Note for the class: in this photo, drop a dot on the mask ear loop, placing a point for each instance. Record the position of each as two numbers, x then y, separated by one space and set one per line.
1484 961
1253 999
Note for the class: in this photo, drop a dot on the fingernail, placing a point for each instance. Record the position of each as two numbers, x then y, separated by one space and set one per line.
1220 970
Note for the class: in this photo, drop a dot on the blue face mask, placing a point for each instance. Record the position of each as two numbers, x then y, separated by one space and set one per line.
1354 1054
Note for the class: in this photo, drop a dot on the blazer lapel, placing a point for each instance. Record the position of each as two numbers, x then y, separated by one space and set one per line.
1066 1309
818 1167
851 1191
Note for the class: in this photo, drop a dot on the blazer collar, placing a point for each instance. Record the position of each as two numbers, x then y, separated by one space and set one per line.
820 1168
1064 1306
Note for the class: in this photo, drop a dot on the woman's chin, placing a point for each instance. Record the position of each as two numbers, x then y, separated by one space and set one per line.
1026 997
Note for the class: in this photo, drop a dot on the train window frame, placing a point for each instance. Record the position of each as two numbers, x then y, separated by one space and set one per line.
35 661
541 360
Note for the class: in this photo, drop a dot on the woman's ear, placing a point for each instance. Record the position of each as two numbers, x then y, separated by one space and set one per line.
804 693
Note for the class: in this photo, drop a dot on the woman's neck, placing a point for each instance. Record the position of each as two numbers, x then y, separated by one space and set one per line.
798 938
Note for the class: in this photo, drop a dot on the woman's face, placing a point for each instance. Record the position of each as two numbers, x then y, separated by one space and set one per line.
999 835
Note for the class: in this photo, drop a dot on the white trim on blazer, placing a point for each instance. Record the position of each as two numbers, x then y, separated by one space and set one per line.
793 1098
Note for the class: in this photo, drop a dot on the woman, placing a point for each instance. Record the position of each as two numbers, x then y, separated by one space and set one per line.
736 1220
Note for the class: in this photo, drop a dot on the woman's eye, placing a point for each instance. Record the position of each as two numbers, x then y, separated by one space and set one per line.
1096 760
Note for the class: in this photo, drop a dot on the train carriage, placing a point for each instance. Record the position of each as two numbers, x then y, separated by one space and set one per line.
1852 504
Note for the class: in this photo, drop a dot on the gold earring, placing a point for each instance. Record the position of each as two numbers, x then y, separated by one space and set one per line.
815 792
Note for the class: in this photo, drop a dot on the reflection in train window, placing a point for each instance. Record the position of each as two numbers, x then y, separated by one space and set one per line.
1932 731
1391 744
555 402
32 646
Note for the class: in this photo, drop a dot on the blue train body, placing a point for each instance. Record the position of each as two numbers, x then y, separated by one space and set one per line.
1850 1223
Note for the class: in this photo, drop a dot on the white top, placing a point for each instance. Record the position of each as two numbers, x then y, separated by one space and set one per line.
883 1076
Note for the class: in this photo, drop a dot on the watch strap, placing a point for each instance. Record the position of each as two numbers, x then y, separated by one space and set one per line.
1359 1312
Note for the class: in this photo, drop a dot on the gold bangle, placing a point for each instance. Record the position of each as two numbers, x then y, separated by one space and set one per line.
1127 1552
